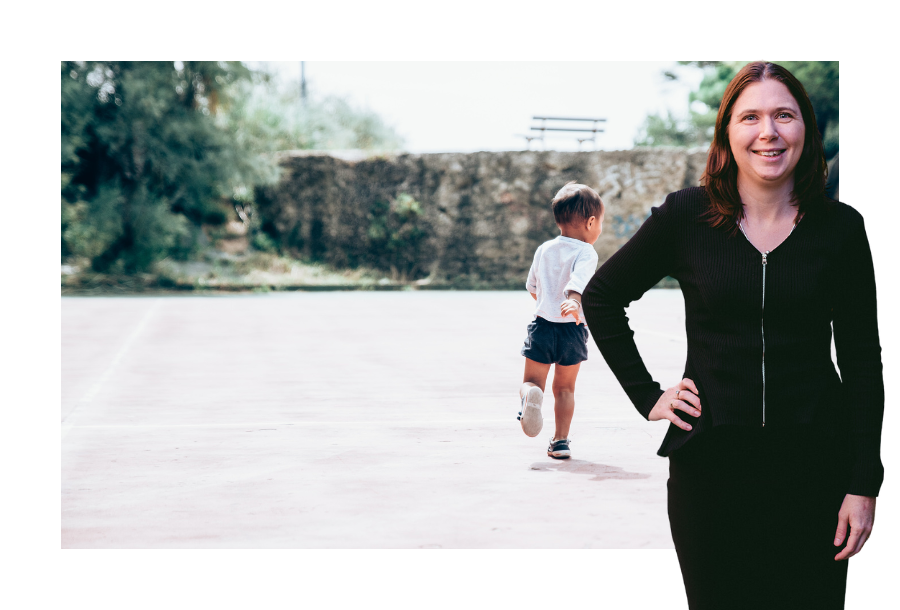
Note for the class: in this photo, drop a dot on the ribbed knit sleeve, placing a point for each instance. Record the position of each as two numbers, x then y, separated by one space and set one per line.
638 266
859 357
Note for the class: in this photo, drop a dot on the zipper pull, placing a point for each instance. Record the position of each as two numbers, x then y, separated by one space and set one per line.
765 254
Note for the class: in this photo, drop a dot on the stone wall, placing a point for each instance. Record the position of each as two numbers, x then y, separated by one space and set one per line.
481 215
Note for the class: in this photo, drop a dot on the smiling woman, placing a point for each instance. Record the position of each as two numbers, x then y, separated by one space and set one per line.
774 459
765 139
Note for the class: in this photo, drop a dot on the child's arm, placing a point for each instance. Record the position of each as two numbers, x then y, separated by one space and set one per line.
572 307
531 282
582 271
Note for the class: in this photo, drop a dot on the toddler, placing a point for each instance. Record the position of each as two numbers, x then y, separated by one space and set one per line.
558 335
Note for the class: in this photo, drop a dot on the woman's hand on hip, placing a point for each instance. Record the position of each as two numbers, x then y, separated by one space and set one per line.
859 513
681 396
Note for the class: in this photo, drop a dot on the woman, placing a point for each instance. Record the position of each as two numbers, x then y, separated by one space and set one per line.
772 454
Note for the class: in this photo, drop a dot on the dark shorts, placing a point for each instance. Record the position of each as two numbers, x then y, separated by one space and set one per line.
562 343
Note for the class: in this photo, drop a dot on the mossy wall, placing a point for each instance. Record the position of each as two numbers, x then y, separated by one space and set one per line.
458 219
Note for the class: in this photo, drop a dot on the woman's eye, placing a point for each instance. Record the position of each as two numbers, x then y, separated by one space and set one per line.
748 117
784 115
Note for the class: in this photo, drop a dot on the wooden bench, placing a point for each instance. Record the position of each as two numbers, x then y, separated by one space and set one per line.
555 125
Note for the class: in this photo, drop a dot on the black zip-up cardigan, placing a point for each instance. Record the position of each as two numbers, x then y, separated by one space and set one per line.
735 304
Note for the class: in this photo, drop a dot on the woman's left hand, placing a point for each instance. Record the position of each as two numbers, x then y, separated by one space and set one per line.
859 513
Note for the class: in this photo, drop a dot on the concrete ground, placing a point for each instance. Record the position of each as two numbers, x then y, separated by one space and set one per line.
346 420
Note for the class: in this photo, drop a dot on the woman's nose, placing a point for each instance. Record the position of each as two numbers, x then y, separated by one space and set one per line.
767 129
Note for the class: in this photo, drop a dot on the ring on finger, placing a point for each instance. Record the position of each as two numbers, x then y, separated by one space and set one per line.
677 392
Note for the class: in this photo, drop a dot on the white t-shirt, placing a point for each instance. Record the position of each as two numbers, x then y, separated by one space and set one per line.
560 265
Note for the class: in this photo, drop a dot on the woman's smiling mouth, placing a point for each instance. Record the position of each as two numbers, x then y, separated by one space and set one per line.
769 153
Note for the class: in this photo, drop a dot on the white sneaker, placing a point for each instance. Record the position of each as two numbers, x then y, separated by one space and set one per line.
530 412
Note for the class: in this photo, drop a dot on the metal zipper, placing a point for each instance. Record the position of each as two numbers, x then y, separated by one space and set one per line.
762 325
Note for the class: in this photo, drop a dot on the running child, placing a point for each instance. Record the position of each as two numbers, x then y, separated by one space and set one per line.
558 335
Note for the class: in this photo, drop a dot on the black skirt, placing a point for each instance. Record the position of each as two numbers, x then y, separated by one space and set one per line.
753 513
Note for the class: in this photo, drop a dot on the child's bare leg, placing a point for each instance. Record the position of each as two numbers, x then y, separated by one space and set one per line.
535 374
531 394
564 397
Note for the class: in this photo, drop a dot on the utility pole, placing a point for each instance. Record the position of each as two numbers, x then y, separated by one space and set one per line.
303 82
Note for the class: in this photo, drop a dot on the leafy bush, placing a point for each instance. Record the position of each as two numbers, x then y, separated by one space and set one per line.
261 241
396 236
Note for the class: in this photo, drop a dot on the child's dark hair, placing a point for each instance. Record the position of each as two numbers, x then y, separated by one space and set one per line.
575 202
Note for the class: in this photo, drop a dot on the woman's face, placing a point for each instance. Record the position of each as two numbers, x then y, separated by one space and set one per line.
766 133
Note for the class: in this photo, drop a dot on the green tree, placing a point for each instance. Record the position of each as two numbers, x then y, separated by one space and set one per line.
273 119
668 130
144 160
151 151
819 78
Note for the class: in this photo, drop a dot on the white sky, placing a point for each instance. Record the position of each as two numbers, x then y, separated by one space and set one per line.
472 106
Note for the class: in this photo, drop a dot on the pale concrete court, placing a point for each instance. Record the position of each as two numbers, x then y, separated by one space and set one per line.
346 420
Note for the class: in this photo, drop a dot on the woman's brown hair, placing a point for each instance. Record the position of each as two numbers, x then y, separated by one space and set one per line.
720 177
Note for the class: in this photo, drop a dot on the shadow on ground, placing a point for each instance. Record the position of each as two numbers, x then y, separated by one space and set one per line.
601 472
